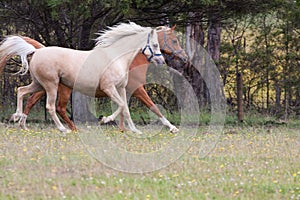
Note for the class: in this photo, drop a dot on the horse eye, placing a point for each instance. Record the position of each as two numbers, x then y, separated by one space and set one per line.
174 41
155 45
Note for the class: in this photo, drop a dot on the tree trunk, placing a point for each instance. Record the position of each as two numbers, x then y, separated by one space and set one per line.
239 81
268 62
194 43
84 42
286 72
213 49
278 97
80 106
214 36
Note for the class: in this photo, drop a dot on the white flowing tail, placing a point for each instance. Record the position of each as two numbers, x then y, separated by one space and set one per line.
15 46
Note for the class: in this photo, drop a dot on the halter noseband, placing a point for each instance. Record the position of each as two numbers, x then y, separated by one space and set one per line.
150 49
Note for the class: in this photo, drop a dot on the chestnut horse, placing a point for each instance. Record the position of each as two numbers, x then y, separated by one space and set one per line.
169 46
105 68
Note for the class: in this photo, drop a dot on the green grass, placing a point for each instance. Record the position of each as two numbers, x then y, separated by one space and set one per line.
260 162
142 115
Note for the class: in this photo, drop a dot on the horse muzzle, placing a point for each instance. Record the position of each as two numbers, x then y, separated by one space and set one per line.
158 60
184 58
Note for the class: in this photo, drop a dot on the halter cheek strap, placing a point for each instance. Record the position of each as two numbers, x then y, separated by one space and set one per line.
150 49
166 45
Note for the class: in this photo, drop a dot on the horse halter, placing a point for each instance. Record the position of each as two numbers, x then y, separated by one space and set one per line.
166 45
150 49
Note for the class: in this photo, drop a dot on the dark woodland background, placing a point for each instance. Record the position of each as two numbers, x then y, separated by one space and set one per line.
254 43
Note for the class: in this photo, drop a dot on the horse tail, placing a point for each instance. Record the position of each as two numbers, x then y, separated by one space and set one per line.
15 46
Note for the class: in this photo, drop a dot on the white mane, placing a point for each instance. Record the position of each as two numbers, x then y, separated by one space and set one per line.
117 32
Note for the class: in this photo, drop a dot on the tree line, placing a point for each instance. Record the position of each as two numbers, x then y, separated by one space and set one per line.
253 43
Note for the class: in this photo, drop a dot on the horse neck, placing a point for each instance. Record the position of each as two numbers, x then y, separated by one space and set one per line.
139 60
132 46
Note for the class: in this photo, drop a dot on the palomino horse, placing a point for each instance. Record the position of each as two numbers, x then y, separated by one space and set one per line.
169 46
108 66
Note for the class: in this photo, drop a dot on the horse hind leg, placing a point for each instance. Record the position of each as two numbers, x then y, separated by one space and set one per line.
22 91
50 106
31 101
64 94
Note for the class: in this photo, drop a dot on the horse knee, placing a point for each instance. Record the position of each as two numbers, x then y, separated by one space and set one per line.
59 109
50 108
20 92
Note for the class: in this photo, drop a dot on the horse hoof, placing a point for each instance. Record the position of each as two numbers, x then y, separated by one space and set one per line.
24 127
138 131
174 130
15 117
106 119
22 120
65 130
123 129
68 131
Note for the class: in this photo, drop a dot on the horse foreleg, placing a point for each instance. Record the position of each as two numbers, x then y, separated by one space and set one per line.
64 94
113 94
142 95
121 123
126 113
120 99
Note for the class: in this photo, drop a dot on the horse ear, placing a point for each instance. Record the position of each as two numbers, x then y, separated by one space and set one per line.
173 27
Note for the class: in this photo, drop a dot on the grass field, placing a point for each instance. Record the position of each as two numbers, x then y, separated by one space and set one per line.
247 163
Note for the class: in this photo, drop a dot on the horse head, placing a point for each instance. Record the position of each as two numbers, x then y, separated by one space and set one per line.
152 50
169 44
